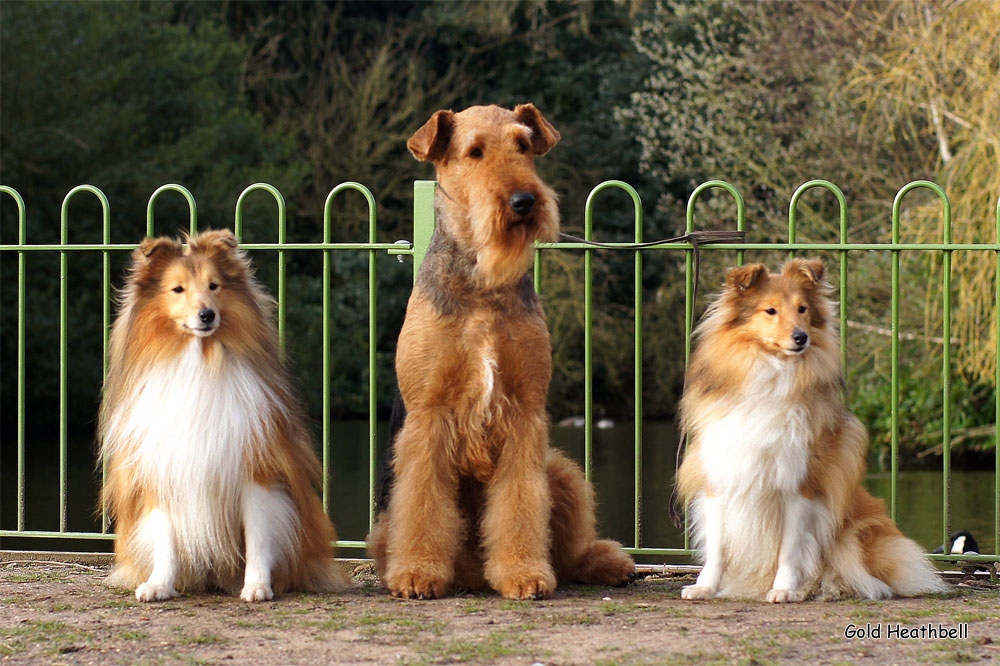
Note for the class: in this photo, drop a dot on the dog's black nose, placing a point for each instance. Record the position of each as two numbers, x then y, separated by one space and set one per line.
207 316
522 202
800 337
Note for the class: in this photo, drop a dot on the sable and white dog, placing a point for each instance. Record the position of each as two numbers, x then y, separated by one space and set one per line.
773 470
210 468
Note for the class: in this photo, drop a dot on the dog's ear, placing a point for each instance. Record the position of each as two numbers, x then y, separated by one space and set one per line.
807 271
152 251
543 134
744 278
430 142
214 241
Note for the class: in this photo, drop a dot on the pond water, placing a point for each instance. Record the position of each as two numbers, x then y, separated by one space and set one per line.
919 492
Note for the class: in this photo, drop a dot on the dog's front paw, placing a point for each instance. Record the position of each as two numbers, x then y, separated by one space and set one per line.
536 585
695 592
776 596
154 592
256 592
414 585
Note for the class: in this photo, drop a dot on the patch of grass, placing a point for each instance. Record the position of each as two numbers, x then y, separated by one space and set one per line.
865 614
571 619
369 618
757 650
953 593
613 607
493 646
133 635
800 634
473 608
332 624
515 605
970 616
389 628
53 636
675 611
205 639
916 612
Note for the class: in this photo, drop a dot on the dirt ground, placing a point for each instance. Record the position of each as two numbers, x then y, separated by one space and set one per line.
53 613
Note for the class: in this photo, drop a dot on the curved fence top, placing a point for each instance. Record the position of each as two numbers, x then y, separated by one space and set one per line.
172 187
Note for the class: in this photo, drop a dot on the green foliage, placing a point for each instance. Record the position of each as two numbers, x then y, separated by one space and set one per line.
663 95
352 81
115 95
723 98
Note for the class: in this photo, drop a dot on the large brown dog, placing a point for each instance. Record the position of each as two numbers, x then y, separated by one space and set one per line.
479 497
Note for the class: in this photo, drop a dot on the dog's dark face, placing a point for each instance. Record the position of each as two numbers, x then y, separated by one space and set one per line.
484 157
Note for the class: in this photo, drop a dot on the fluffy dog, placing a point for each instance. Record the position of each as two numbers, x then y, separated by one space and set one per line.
478 496
210 468
775 462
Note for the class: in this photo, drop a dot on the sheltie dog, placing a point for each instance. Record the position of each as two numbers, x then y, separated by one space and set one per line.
773 469
210 468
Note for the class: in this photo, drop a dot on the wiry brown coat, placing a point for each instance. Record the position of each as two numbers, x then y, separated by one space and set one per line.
479 496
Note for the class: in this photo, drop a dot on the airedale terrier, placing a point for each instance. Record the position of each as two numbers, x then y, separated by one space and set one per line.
478 496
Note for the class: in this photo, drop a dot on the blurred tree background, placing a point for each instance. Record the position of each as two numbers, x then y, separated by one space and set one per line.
663 95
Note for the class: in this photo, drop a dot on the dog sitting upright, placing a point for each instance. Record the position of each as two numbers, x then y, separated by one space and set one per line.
478 496
211 472
775 461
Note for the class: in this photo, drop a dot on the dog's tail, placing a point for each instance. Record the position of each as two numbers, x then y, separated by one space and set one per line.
912 573
386 477
873 558
676 506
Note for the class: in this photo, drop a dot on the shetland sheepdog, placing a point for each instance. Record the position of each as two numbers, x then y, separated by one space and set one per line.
775 459
210 468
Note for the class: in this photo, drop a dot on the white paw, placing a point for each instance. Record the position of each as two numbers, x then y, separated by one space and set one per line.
776 596
693 592
256 592
154 592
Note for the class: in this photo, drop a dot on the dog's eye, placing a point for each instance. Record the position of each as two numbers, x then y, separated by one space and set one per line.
802 309
771 311
212 286
178 289
476 153
522 145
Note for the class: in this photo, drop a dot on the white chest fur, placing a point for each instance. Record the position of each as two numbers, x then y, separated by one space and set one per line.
190 425
192 413
760 445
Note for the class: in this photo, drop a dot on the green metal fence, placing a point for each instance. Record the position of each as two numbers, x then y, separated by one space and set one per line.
423 216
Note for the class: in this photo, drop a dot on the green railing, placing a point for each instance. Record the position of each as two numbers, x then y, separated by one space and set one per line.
423 216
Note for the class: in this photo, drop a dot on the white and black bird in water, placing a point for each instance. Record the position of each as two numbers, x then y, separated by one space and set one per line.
961 542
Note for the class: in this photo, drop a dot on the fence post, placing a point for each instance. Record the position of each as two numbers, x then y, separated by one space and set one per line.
423 220
282 238
22 239
192 207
